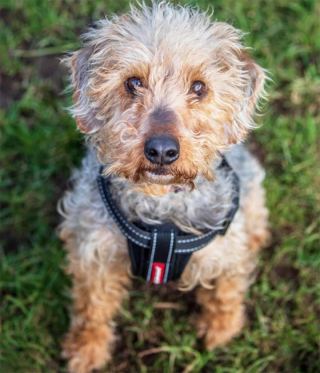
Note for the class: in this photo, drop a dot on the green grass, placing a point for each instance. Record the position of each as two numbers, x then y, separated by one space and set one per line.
39 146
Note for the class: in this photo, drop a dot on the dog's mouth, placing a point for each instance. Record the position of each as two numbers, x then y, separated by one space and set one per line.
163 175
157 178
158 175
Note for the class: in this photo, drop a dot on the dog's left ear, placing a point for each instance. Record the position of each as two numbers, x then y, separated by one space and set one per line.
85 113
253 89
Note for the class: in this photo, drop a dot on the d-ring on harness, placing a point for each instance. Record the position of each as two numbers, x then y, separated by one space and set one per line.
159 253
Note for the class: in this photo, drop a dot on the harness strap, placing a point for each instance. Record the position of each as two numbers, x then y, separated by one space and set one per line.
159 253
161 263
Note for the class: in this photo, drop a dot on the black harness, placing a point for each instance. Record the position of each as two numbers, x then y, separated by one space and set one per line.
159 253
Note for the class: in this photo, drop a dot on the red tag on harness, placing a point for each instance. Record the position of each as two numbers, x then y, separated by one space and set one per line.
157 273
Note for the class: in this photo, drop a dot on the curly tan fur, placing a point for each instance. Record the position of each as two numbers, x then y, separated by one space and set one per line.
167 48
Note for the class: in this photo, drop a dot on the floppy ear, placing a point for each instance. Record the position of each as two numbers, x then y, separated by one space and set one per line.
253 89
85 113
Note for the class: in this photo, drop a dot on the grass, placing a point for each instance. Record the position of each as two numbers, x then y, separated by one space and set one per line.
39 146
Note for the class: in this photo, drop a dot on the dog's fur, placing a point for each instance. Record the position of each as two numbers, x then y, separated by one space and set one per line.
168 48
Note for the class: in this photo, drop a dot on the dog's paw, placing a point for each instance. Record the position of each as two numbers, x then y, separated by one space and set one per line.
87 348
219 328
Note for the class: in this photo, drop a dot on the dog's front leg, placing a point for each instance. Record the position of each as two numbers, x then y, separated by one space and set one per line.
223 315
97 291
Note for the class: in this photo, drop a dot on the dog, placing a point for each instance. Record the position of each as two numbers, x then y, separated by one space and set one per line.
165 98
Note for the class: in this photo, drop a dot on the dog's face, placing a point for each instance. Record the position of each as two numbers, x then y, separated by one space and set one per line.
161 90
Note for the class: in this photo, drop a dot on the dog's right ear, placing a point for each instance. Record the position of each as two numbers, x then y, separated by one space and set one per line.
85 113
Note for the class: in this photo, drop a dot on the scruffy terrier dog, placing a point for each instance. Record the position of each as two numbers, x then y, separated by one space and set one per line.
164 96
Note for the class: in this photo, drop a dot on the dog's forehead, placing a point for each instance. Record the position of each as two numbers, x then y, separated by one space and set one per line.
156 41
158 28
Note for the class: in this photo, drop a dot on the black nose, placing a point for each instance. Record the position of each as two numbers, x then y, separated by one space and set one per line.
161 149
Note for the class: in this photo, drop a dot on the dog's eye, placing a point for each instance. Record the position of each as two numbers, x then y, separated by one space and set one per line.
132 84
198 88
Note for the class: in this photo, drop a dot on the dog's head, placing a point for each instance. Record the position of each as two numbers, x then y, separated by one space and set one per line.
161 90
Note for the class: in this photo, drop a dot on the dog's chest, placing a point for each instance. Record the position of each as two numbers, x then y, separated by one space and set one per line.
204 208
